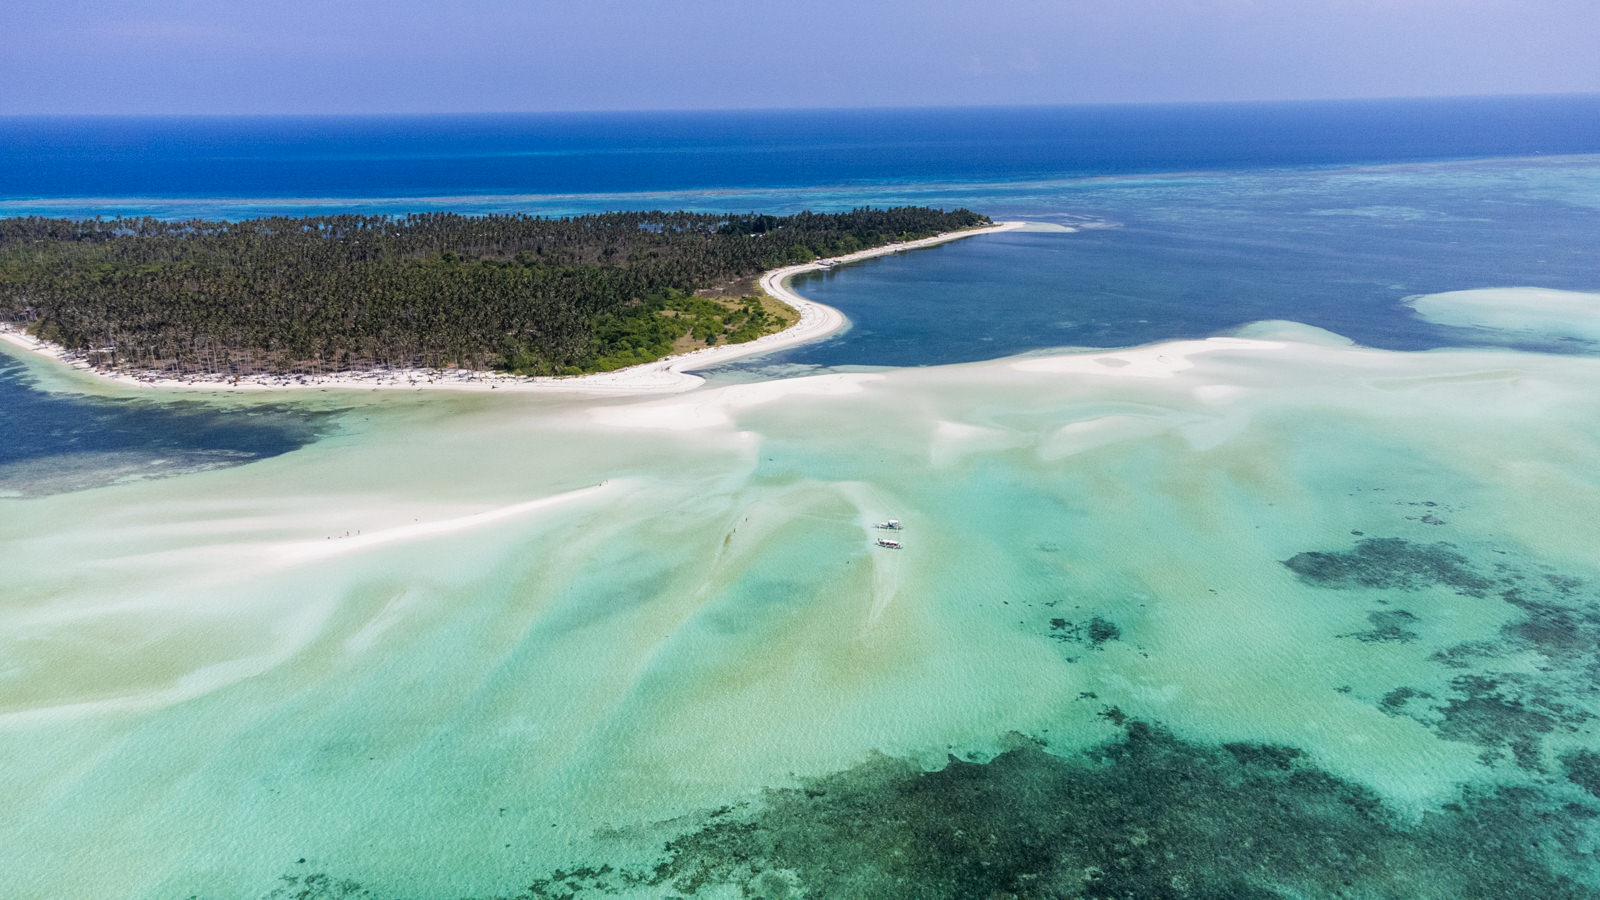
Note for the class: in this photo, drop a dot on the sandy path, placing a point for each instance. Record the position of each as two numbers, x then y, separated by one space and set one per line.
667 375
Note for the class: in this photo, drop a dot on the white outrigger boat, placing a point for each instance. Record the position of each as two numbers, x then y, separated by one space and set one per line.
891 525
892 545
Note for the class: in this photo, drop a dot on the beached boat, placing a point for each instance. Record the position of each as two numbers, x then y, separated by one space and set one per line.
892 545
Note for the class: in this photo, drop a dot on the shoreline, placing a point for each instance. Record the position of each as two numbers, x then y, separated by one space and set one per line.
663 376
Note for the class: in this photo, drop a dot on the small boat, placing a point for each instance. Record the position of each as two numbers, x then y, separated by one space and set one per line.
891 525
892 545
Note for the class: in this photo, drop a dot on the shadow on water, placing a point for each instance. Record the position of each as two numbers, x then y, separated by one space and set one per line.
55 443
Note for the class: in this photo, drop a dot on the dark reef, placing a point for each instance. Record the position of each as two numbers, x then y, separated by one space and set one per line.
1583 770
1495 702
1145 816
1493 714
1096 631
1148 816
1387 625
1390 563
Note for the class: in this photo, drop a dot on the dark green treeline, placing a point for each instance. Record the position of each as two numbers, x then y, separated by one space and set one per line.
331 293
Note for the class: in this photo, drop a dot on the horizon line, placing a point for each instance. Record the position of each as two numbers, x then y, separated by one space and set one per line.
685 110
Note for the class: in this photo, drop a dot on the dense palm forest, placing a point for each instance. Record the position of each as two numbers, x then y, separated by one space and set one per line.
332 293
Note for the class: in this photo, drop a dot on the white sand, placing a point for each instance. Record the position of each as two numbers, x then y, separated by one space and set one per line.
718 408
293 554
1542 313
668 375
1152 361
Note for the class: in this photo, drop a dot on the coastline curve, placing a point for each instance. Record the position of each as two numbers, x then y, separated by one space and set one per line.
663 376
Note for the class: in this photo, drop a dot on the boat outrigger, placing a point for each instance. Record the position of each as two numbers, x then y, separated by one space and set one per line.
892 545
891 525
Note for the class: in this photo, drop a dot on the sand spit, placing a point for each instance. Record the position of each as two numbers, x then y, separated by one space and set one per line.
304 551
667 375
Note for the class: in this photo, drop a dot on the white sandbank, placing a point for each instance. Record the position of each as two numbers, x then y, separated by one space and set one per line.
1163 360
667 375
1535 312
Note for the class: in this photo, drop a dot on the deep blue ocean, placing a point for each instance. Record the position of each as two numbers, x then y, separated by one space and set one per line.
184 165
1191 220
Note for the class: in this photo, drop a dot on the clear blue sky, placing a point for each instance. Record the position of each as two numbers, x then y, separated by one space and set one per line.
348 56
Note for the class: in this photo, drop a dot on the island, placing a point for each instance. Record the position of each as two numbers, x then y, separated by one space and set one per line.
282 299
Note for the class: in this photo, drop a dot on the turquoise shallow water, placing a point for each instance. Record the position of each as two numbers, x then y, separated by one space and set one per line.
1350 588
1270 615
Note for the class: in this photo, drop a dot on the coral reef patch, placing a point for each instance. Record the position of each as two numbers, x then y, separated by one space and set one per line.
1148 815
1497 701
1392 564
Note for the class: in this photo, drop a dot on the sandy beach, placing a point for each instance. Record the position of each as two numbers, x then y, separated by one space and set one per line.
667 375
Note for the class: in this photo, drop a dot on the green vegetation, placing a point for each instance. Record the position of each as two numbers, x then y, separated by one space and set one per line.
330 293
667 323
